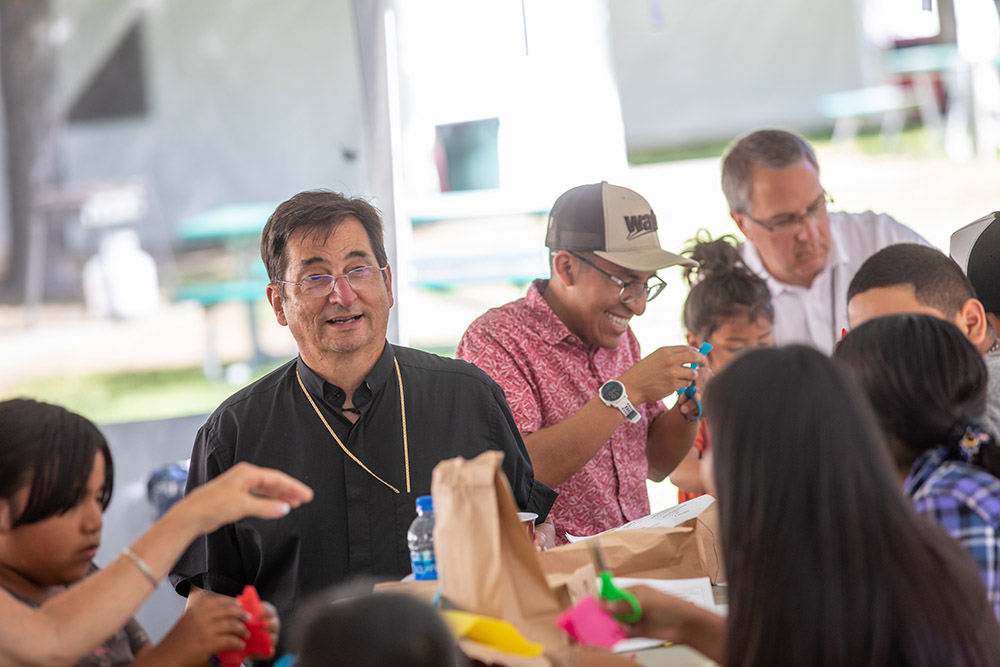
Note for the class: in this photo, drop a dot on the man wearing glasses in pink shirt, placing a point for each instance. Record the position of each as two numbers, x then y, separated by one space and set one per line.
587 403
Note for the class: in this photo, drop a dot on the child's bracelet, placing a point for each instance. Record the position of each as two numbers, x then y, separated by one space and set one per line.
141 564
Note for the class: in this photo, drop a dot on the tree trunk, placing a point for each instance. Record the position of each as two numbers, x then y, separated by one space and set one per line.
27 76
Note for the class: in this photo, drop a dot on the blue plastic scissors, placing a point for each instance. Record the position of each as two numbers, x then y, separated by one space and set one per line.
690 389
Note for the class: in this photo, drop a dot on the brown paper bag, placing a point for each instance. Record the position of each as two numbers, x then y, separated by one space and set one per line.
706 527
571 588
486 563
658 553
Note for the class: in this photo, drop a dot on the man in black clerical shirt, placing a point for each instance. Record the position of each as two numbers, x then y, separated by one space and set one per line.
363 422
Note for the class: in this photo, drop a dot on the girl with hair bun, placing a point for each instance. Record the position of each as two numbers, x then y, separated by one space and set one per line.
728 307
927 384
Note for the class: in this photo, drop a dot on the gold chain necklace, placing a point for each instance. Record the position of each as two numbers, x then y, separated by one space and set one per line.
402 412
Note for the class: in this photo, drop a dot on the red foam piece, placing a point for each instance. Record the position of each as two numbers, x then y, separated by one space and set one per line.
259 642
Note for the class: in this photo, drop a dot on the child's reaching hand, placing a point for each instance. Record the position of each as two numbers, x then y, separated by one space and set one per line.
212 624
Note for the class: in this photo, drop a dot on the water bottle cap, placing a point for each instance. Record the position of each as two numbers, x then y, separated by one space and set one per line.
425 504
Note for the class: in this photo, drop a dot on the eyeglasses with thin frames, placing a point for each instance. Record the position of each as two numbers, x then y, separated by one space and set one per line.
361 278
629 291
790 224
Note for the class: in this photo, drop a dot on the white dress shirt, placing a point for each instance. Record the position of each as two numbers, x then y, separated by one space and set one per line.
817 314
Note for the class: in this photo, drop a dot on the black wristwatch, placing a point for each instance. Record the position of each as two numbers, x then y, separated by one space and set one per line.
613 394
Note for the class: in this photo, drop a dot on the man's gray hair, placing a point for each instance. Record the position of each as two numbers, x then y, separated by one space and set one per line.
770 149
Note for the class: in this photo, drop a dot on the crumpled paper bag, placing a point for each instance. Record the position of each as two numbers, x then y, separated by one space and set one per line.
486 563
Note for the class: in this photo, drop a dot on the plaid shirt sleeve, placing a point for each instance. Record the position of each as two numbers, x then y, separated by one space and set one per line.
967 509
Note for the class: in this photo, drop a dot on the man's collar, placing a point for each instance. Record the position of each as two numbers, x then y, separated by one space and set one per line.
551 329
753 262
837 257
373 382
752 259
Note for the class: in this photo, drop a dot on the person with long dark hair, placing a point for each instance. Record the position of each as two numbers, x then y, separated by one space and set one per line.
827 562
928 386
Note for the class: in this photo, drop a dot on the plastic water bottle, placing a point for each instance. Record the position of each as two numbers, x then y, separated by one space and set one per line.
420 538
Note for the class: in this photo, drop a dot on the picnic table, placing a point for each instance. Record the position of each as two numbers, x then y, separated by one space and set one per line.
238 228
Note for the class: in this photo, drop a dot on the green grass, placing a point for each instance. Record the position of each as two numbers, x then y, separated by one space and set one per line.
675 153
128 396
913 140
700 150
109 398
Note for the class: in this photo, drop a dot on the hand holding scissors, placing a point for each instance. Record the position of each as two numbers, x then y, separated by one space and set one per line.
689 390
609 591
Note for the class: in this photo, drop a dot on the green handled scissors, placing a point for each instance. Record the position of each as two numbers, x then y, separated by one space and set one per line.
609 591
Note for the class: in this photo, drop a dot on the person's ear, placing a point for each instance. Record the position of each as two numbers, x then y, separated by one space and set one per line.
388 282
563 268
971 319
692 340
277 302
740 221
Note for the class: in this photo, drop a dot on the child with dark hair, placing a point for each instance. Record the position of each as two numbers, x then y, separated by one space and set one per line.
927 384
828 564
351 625
730 308
56 476
911 278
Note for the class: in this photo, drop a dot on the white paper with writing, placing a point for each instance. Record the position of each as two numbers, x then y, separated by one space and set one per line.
667 518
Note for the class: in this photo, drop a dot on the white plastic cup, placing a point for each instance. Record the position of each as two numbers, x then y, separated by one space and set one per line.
527 520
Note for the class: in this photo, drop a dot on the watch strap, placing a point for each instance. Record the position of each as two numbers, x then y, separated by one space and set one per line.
622 403
629 411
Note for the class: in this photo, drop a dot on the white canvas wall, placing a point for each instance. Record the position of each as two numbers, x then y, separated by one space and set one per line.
710 69
249 101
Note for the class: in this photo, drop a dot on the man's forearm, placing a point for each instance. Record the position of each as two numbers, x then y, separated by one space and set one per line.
669 440
558 451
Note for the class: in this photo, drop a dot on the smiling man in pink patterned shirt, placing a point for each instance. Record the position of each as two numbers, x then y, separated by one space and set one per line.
587 403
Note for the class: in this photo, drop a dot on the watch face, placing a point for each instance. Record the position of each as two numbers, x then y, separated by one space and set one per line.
612 391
